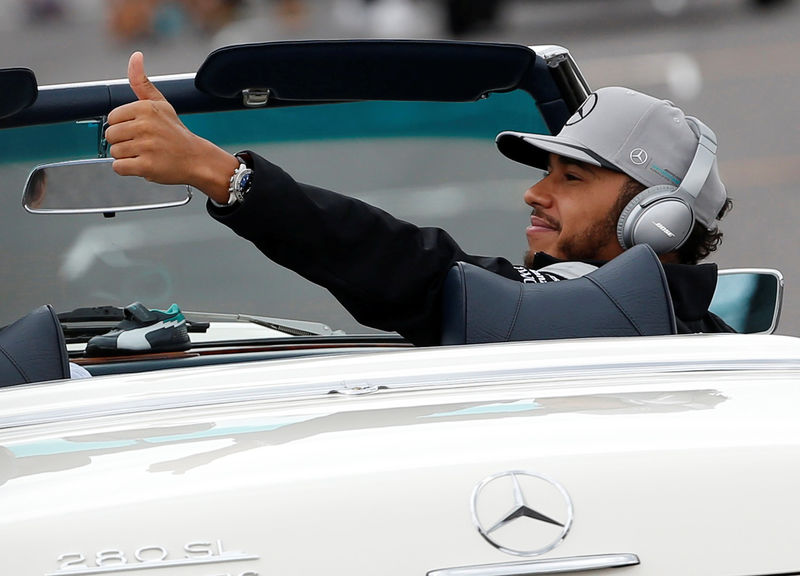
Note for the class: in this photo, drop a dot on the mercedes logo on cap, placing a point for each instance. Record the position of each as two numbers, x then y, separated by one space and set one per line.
521 513
584 110
638 156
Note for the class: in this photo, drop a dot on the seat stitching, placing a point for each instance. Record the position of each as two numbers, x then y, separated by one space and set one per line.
617 304
17 366
515 317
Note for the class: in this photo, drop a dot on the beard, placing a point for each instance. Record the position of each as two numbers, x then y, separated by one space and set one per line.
582 246
586 244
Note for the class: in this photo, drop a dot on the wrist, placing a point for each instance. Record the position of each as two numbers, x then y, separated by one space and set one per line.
214 174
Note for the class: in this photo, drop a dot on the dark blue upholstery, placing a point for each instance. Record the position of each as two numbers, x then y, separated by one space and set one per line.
628 296
33 349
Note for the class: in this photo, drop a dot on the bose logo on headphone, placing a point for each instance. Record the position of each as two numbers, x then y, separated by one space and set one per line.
664 229
663 216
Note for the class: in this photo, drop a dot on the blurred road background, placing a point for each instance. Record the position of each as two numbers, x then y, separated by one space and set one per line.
729 62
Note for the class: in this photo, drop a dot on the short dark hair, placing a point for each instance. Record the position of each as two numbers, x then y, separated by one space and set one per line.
702 241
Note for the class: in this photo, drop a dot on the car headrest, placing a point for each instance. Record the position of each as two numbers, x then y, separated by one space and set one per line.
33 349
628 296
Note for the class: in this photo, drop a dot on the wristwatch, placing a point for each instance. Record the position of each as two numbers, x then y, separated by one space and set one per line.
240 182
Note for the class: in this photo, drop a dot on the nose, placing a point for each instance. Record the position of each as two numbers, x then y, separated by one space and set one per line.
539 194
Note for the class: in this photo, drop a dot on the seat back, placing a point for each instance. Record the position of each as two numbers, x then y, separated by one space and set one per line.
33 349
628 296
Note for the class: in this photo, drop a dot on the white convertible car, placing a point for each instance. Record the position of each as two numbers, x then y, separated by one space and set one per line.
316 446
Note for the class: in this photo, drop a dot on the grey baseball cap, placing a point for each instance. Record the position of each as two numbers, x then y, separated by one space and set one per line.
648 139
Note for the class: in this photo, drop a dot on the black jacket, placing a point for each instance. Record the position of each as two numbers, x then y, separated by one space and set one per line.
388 273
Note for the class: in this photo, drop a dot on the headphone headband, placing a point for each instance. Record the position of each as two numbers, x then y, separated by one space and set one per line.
703 160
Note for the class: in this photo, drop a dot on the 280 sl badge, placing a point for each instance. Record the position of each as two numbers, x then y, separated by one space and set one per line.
195 553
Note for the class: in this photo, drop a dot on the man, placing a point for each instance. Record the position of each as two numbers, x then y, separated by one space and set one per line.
389 273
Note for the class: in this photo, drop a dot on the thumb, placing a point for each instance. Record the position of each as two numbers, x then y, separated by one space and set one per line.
140 83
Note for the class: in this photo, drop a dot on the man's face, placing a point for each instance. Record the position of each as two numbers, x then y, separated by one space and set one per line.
575 211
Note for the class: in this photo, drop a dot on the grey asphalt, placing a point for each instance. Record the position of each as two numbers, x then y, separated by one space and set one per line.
731 65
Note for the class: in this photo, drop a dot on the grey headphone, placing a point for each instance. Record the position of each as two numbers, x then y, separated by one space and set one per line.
663 216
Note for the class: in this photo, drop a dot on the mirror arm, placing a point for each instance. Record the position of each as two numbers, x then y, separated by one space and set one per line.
102 143
101 122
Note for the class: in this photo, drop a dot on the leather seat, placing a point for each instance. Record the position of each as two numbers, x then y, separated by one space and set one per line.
33 349
627 296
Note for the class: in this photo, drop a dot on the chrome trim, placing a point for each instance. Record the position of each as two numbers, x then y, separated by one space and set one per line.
559 58
552 53
104 210
255 97
132 567
520 505
356 389
548 566
117 82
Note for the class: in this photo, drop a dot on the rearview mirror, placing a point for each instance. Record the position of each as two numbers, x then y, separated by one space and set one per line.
86 186
749 299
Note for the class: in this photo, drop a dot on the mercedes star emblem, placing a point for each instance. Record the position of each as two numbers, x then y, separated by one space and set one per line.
638 156
521 513
584 110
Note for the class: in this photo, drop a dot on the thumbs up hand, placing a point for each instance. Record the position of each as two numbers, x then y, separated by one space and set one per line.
148 139
140 83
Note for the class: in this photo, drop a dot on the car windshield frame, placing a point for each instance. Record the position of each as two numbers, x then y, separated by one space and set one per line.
65 123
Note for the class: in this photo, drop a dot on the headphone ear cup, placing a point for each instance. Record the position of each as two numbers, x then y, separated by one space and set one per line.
630 213
657 217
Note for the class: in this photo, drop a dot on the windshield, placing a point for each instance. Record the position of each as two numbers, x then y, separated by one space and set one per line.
434 164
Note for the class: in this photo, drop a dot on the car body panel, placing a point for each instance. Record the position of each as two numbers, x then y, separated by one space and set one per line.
653 439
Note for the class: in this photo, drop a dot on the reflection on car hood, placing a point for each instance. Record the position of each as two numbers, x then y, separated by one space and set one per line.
248 468
563 362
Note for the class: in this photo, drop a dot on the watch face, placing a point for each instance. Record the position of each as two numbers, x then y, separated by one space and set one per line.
245 180
242 182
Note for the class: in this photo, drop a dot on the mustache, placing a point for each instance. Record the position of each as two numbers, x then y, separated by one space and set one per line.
550 221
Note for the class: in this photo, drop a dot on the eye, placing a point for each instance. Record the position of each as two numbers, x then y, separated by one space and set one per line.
572 177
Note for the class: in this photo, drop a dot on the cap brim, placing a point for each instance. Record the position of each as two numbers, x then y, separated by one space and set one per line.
535 149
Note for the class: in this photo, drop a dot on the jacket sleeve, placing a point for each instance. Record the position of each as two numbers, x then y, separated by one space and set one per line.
387 273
